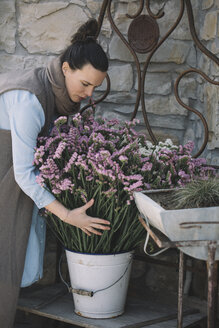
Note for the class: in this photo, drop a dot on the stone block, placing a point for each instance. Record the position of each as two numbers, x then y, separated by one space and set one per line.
215 159
7 26
118 50
118 97
120 18
36 61
199 130
157 83
210 26
163 135
125 80
215 46
214 69
172 10
162 67
31 1
212 114
191 59
17 62
204 64
123 109
106 29
77 2
206 4
41 28
188 88
165 105
168 122
189 135
94 6
11 62
172 51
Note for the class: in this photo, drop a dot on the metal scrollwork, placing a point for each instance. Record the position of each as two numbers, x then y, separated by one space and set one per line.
143 34
141 7
176 86
195 111
160 12
143 37
146 67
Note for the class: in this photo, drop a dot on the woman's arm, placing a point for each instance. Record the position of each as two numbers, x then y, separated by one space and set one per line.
26 121
26 118
79 218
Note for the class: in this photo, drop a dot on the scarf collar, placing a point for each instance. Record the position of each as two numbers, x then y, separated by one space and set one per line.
64 105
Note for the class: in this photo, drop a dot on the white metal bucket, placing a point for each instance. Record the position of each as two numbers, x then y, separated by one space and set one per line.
107 276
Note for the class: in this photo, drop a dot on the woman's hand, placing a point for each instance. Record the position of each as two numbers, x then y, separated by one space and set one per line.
88 224
79 218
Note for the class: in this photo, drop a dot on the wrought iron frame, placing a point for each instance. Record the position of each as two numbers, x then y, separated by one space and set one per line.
106 8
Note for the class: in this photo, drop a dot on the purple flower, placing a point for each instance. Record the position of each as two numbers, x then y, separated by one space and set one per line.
109 160
60 149
60 121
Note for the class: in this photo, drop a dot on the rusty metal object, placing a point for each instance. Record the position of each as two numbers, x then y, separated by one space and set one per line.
180 290
143 33
148 42
101 15
146 67
176 91
176 85
164 242
141 6
197 224
132 53
212 287
160 12
212 267
194 34
81 292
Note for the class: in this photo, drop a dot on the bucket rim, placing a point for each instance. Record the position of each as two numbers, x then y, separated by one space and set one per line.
99 254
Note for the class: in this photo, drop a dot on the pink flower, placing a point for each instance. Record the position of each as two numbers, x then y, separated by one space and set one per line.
60 149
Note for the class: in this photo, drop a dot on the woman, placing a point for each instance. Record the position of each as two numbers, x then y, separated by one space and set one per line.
29 102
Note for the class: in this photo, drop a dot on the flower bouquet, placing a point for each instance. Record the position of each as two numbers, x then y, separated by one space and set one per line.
107 161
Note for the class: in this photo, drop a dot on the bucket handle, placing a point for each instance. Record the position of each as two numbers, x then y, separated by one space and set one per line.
147 240
83 292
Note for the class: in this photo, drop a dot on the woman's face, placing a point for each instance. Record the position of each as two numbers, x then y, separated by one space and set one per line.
80 83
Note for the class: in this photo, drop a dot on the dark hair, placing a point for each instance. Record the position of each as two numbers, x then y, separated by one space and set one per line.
84 49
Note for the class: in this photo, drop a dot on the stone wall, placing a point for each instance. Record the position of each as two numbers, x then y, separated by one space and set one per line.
34 31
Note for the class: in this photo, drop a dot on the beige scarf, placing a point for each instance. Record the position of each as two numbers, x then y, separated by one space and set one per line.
64 105
48 84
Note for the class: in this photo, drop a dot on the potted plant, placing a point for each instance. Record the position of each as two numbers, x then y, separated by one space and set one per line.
87 159
107 161
198 193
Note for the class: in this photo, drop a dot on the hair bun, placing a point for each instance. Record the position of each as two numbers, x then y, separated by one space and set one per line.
86 31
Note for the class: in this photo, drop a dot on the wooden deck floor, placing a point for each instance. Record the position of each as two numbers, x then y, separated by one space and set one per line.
54 302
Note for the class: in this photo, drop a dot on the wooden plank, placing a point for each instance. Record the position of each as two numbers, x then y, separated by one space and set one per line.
53 302
188 320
